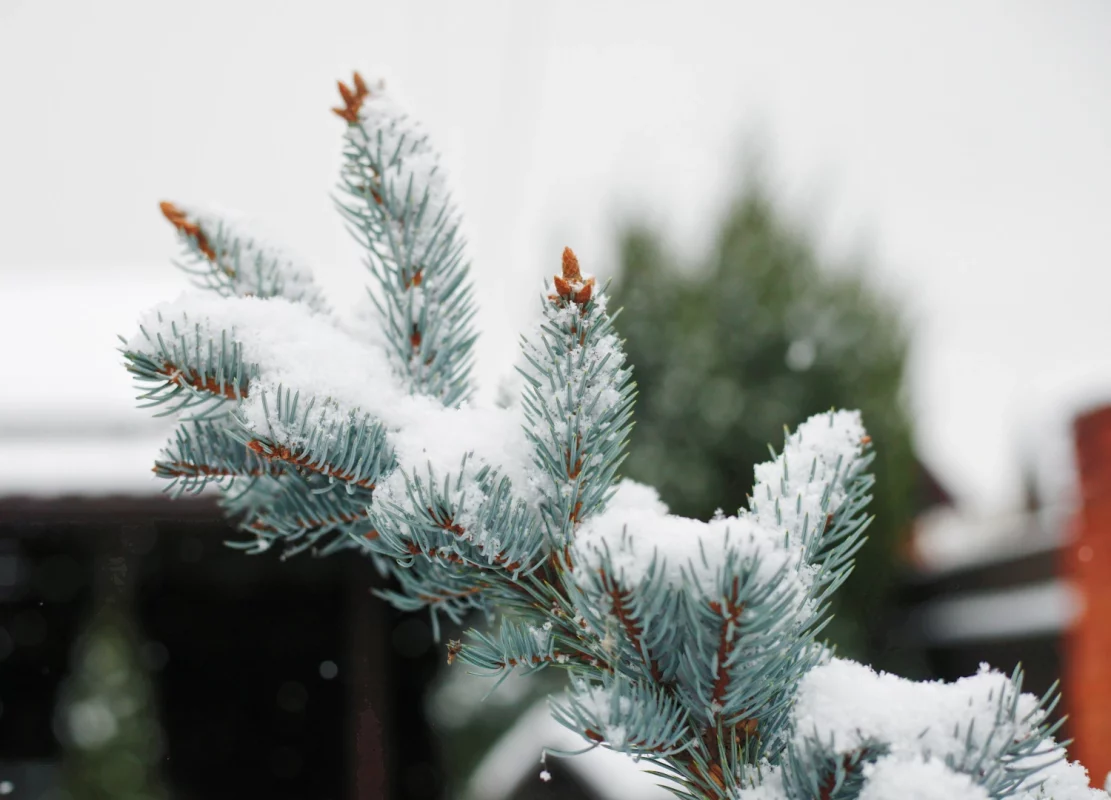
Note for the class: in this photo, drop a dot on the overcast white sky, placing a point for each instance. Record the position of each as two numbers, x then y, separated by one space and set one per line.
965 146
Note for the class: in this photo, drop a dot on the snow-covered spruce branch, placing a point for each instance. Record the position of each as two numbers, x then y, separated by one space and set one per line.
394 198
694 645
221 252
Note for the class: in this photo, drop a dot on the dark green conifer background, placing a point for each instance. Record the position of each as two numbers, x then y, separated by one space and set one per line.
762 334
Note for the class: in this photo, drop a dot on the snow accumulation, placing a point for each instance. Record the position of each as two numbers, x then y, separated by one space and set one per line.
250 260
609 709
789 493
917 778
849 704
298 351
790 501
600 394
387 130
889 778
923 724
640 537
926 731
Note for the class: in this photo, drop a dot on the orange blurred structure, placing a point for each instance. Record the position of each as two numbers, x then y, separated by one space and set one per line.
1086 562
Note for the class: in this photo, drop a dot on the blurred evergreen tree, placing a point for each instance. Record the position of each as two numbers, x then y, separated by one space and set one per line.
726 354
106 718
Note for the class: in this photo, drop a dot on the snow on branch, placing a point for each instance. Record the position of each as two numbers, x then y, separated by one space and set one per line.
578 400
201 452
223 253
394 196
799 490
625 716
978 737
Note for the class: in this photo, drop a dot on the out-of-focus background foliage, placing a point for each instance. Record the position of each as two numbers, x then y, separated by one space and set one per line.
763 331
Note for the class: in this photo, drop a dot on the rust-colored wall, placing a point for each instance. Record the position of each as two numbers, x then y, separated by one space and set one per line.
1087 563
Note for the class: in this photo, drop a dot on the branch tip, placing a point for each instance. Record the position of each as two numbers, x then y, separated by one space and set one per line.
571 272
571 287
187 227
352 98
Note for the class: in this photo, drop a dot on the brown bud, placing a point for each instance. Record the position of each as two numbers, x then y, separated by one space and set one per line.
360 86
347 95
187 227
583 294
352 99
571 272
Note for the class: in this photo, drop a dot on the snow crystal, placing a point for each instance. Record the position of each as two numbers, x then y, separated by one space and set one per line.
917 778
636 531
789 491
542 635
608 709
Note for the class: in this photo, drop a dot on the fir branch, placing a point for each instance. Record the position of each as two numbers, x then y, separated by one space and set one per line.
350 449
303 459
578 401
397 206
299 512
624 715
626 612
201 452
500 532
223 255
187 369
451 590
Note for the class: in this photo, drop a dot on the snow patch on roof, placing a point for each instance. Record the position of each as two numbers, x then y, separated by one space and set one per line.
515 759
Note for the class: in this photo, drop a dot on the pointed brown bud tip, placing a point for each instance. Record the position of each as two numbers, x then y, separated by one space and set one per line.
570 266
360 85
171 212
352 98
347 95
583 295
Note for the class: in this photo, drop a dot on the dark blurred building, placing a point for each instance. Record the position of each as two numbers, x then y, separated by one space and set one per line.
272 678
1030 589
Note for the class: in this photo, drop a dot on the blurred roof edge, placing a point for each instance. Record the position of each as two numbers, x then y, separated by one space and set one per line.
37 466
